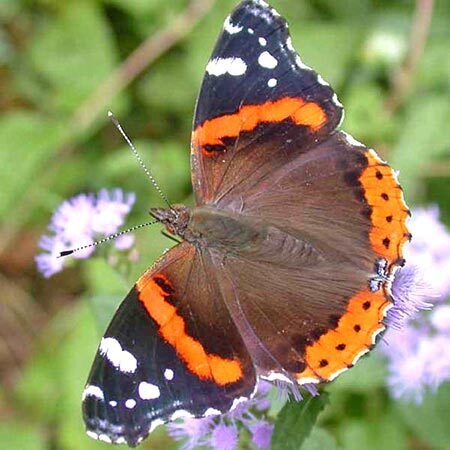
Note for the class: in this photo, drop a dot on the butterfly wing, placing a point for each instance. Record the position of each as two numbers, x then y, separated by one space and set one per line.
315 293
255 88
311 299
172 350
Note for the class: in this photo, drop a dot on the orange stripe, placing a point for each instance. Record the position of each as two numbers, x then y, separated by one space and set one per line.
249 117
173 329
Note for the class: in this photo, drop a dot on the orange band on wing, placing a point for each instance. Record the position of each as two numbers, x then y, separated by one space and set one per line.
173 329
389 211
338 349
249 117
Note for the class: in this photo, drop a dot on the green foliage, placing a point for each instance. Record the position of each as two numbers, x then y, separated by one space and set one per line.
295 422
430 419
55 56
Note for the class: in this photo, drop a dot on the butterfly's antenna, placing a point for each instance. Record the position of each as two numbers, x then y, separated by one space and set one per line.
106 239
136 154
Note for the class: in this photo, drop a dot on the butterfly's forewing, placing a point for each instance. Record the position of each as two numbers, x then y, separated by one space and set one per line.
310 293
255 86
171 351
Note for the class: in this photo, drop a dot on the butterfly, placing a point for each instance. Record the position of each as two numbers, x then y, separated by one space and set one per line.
286 260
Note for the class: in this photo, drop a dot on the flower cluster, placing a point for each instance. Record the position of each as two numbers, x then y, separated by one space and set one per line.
222 433
418 351
80 221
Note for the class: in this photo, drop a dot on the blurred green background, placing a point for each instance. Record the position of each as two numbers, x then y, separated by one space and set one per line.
64 64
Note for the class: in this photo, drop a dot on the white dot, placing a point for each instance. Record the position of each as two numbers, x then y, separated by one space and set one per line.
250 30
111 349
262 41
222 66
104 438
92 391
267 60
272 82
148 391
113 403
130 403
230 27
322 81
168 374
92 434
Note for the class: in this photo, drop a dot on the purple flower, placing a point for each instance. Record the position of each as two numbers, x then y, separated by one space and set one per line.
81 220
221 432
417 346
124 242
411 293
192 431
262 434
110 210
430 248
224 437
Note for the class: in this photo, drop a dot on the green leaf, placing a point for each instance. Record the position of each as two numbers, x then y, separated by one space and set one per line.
366 117
368 374
424 137
295 422
385 432
319 439
328 48
108 288
18 435
430 420
73 53
103 279
27 141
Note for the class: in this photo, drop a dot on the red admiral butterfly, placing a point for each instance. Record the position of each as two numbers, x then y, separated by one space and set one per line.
286 262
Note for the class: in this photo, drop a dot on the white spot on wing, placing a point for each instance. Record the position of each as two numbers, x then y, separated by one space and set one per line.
250 30
337 373
113 403
181 413
148 391
322 81
275 376
272 82
361 353
289 44
92 391
336 101
111 349
168 374
302 381
105 438
130 403
212 412
262 41
222 66
154 424
92 434
301 64
351 140
267 60
231 28
237 401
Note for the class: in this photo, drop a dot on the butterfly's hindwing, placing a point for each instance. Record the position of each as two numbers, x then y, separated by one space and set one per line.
171 351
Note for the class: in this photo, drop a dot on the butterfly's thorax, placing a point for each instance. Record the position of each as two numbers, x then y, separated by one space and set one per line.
235 233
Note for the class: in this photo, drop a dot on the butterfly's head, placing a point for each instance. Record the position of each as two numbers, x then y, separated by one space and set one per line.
175 218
